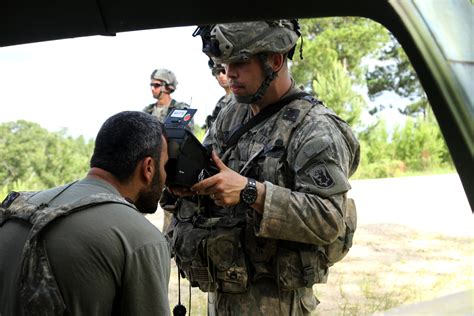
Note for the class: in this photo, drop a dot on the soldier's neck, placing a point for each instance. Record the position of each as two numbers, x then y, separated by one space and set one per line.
164 101
277 89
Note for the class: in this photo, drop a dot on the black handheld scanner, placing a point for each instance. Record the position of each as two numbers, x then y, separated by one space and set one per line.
188 160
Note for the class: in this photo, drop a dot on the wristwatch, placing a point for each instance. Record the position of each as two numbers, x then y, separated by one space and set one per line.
248 195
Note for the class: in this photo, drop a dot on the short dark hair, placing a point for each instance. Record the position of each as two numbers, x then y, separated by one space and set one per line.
124 139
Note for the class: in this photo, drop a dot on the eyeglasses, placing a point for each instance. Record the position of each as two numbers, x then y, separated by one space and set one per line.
217 71
156 85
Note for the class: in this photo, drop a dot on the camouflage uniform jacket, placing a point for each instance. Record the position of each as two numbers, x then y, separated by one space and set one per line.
221 103
305 182
304 154
162 112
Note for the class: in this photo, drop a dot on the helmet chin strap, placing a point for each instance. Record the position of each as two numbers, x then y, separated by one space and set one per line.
162 92
269 76
159 95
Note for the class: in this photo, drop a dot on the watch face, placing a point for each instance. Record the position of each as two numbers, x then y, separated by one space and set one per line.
249 193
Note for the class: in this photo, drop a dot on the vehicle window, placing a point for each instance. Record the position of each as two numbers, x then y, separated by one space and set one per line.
452 41
414 236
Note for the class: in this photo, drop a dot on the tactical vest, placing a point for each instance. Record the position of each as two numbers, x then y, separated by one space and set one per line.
216 248
173 105
39 293
221 103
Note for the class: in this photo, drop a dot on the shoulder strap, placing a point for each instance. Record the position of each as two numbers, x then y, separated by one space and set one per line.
16 206
222 98
260 117
149 108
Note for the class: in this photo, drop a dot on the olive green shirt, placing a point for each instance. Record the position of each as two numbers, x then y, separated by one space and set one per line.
107 259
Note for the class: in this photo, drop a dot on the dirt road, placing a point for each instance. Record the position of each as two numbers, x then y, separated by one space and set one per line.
434 203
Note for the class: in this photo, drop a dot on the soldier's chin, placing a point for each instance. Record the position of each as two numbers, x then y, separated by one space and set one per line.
244 98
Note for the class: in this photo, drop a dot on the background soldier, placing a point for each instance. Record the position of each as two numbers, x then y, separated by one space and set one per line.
218 71
163 84
284 161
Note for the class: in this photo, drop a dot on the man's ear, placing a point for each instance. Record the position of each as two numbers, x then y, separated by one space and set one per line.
167 90
277 61
148 169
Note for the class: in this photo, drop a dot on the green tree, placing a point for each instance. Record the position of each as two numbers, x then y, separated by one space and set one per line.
334 50
334 86
33 156
350 40
340 54
378 159
65 159
395 73
420 145
20 143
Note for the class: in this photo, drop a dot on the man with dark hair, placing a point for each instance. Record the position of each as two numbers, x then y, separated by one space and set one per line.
101 256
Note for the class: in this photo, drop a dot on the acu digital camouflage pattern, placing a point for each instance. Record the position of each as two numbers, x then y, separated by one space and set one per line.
167 76
304 154
161 112
237 42
38 292
221 103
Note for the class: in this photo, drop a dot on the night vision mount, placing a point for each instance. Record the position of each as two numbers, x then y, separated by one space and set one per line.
188 160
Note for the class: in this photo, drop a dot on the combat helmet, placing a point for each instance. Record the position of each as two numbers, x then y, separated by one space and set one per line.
167 76
238 42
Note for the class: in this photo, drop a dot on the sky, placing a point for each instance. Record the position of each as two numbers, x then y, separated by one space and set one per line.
78 83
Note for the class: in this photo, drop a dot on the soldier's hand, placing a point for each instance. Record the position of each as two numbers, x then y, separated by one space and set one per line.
224 188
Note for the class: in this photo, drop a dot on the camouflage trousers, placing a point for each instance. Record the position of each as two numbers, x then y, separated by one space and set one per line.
262 298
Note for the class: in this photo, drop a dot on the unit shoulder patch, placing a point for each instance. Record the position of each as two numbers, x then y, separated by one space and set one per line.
291 114
321 176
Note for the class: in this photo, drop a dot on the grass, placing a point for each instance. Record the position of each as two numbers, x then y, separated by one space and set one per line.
434 171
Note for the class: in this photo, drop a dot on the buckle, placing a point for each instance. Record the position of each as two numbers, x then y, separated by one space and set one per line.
308 276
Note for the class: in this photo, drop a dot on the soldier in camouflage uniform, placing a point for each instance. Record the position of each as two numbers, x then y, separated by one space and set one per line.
218 71
163 84
85 248
282 186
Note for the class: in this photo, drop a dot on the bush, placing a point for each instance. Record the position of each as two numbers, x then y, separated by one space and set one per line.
414 148
420 145
34 158
385 168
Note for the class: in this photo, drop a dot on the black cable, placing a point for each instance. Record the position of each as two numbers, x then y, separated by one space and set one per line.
179 310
